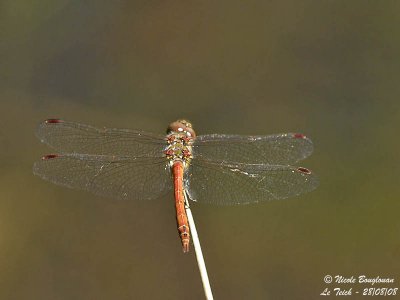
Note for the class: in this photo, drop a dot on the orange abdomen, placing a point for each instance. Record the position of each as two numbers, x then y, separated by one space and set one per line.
181 218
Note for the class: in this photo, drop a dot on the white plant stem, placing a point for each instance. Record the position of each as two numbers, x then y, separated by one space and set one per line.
199 253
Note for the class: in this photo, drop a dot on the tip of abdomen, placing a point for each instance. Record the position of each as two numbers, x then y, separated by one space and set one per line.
185 246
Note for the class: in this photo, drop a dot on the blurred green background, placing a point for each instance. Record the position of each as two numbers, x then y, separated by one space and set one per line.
329 69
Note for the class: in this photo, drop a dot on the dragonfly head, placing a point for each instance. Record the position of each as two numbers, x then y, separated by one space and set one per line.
181 126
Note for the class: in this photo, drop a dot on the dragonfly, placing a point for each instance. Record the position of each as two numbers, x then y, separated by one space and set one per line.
220 169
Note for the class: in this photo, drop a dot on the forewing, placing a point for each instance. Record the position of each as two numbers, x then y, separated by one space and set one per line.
115 177
70 137
230 184
275 149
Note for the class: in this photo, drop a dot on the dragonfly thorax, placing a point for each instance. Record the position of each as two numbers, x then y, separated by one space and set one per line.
179 148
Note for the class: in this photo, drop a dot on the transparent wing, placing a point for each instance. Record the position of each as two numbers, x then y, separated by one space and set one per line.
70 137
230 184
104 175
276 149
